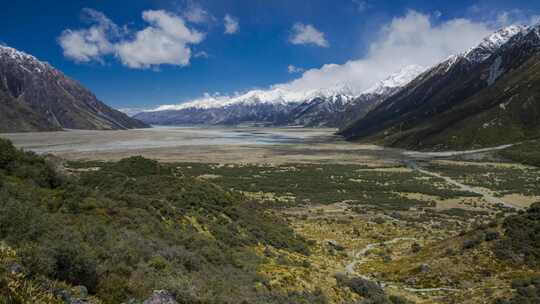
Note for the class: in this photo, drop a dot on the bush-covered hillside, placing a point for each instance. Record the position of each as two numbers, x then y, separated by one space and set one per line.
522 237
527 153
130 228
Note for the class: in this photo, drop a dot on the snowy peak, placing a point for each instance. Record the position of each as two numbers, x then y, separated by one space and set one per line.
492 43
280 95
396 80
484 49
276 95
23 59
38 97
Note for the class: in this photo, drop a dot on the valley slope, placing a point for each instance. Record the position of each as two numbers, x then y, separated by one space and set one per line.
484 97
34 96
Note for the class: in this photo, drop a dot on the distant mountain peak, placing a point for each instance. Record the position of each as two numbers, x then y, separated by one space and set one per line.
396 80
23 58
492 43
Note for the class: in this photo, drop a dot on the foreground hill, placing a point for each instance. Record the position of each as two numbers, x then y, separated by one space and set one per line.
486 96
34 96
131 227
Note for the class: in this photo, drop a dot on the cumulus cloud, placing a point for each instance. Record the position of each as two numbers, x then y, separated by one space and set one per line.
89 44
231 24
412 39
307 34
294 69
196 14
516 16
166 40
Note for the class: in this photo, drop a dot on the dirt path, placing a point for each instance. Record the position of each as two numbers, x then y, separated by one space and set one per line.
359 257
488 197
418 154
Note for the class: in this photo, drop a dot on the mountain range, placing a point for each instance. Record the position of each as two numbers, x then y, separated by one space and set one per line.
34 96
328 107
486 96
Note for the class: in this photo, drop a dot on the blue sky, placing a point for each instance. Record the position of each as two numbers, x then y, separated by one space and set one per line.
254 54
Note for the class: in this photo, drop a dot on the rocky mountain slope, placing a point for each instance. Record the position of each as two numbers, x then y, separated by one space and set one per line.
328 107
34 96
486 96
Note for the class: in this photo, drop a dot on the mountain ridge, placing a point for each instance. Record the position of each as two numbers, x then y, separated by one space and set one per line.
35 96
326 107
421 114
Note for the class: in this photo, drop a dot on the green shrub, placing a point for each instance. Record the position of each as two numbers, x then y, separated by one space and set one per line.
135 226
521 241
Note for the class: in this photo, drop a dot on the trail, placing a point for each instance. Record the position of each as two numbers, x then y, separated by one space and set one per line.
358 258
418 154
488 197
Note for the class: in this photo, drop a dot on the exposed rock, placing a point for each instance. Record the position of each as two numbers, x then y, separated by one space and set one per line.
80 291
15 268
335 245
424 268
160 297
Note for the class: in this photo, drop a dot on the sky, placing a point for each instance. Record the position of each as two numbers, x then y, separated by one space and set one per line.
145 53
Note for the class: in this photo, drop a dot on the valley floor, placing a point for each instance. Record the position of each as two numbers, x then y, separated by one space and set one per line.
410 222
209 145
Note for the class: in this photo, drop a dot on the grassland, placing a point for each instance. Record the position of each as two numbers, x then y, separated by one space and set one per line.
378 232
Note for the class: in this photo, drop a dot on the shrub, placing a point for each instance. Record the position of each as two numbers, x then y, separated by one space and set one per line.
521 237
491 235
360 286
8 153
134 227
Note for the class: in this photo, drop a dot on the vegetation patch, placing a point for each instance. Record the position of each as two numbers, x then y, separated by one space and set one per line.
135 226
527 153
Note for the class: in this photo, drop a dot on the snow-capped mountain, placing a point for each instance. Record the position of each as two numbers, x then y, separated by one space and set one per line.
335 106
34 96
484 96
396 80
492 43
484 50
332 106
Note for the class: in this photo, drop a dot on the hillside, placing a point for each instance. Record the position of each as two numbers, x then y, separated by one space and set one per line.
34 96
130 228
464 102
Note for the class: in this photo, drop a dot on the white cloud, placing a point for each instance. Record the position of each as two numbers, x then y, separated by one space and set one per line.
231 24
196 14
294 69
166 40
361 5
307 34
516 16
201 54
412 39
501 18
90 44
408 40
132 111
